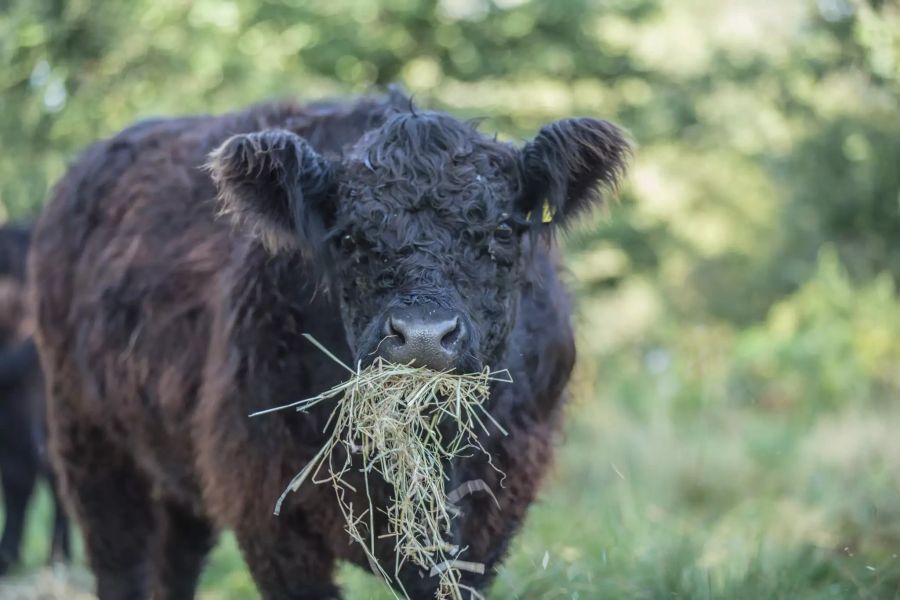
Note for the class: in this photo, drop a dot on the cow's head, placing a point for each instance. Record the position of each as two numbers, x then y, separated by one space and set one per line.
424 226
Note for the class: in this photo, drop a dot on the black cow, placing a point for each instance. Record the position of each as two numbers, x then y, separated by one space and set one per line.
179 263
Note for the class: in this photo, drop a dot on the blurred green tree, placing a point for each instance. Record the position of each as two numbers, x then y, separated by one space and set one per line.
751 155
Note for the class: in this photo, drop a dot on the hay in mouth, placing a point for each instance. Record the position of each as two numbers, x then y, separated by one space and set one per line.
391 415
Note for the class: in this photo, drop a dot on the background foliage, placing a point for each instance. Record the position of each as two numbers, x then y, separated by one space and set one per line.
734 426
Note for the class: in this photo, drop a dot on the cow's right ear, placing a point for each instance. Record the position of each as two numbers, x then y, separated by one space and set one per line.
277 186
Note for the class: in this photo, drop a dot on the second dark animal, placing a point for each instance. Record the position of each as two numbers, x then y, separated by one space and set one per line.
23 456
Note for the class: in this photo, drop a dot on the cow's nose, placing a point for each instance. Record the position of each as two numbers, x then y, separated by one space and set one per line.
426 337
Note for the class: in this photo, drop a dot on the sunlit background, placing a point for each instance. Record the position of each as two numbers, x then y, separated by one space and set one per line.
735 426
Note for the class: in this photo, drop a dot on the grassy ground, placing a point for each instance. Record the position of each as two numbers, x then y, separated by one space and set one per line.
651 503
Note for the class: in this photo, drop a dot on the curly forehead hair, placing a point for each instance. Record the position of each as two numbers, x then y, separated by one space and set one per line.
424 139
429 164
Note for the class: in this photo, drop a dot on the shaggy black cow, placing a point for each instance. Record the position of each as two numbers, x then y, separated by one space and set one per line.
22 434
162 326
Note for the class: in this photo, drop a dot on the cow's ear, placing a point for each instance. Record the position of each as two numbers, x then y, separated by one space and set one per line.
570 166
276 186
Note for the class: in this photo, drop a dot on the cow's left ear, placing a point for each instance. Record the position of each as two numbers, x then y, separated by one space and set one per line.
571 165
275 185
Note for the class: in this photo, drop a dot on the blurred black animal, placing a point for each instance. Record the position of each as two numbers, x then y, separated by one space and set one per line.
22 414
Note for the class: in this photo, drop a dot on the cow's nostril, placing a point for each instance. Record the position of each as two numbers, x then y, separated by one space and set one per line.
394 330
453 334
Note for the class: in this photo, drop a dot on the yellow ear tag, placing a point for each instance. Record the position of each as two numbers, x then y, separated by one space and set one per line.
547 215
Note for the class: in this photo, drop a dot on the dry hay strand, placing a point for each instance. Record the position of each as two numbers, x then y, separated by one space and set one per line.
391 416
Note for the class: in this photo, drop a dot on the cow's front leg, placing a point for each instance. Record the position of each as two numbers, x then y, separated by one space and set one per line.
288 559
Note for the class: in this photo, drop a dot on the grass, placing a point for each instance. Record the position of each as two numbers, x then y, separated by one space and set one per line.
659 501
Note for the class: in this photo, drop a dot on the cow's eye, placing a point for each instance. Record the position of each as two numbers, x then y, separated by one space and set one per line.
503 233
348 243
